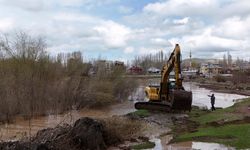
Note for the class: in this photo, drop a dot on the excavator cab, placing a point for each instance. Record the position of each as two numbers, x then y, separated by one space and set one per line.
171 84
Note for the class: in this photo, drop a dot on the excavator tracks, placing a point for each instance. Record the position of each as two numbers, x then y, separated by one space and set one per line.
180 101
155 106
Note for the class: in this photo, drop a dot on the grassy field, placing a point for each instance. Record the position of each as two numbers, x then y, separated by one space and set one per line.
226 126
234 135
145 145
141 113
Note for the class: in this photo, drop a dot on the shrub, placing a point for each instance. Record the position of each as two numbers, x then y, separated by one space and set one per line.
219 78
33 83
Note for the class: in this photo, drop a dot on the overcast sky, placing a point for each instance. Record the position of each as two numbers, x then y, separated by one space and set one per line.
122 29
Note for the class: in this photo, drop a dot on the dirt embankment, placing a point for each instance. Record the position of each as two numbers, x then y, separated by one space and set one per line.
117 132
225 87
86 133
227 126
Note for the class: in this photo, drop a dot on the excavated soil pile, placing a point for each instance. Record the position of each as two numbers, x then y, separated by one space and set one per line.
86 133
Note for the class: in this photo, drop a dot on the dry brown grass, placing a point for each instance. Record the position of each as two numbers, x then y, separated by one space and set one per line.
123 128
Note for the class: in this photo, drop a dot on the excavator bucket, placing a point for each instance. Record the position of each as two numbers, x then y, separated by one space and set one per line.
181 100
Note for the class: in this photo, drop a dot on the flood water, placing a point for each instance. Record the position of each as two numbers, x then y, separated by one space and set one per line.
200 96
201 99
162 144
23 128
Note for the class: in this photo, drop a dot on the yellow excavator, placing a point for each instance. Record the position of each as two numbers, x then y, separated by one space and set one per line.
170 95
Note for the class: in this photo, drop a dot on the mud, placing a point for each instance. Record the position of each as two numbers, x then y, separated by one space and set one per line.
182 125
22 128
86 133
161 126
156 126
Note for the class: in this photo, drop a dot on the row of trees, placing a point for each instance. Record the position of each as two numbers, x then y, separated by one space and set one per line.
151 60
33 83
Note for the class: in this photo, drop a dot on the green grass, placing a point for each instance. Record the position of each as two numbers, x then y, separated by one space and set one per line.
227 114
234 135
216 116
145 145
141 113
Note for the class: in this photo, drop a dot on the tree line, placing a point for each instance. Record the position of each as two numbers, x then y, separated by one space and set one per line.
34 83
151 60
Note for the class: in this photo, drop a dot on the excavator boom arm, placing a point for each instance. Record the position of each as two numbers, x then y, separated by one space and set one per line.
174 62
164 99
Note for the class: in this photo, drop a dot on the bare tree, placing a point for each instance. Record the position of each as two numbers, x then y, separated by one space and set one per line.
22 45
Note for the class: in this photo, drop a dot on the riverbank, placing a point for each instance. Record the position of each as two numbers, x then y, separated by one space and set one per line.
152 129
223 87
145 129
230 126
85 133
131 131
23 128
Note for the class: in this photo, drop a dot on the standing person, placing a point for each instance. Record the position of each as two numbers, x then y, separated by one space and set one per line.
212 101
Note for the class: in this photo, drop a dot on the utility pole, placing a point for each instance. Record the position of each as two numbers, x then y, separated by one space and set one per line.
190 58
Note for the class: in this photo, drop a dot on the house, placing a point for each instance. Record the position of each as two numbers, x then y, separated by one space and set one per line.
243 66
210 69
190 73
119 63
153 70
135 70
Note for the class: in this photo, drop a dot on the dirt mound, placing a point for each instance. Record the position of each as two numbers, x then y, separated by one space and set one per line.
86 133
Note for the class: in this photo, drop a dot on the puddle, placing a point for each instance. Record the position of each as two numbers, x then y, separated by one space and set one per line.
162 144
197 146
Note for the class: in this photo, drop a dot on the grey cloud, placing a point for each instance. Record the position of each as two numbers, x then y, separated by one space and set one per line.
236 7
152 30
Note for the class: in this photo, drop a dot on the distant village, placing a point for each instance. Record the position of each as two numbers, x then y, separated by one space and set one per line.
191 67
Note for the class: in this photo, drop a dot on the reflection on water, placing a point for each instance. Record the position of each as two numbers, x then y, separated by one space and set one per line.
197 145
162 144
200 96
138 94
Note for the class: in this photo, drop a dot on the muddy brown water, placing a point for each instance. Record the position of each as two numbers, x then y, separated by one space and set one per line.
24 128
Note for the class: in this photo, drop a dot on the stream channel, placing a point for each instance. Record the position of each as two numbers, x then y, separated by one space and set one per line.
23 128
